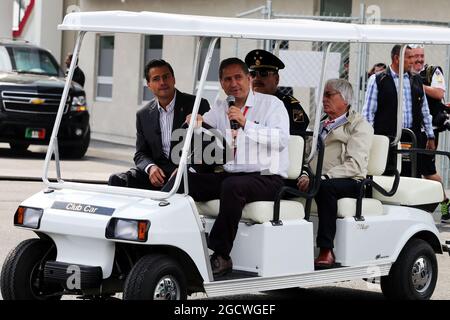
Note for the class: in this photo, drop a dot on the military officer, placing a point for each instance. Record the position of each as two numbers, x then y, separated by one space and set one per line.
264 67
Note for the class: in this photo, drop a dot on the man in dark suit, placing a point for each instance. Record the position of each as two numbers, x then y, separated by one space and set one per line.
155 124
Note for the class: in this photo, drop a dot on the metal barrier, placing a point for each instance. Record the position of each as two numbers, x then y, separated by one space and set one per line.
360 58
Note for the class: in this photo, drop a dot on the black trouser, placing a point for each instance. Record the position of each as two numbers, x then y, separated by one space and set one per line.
330 191
391 165
234 191
426 163
133 178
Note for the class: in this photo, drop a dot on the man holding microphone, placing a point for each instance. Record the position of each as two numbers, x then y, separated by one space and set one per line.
258 163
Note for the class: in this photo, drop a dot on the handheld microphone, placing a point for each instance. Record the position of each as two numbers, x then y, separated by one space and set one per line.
231 102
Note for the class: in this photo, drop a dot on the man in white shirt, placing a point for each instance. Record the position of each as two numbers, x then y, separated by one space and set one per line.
258 163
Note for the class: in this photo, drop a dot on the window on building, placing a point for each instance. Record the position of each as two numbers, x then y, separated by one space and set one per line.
105 67
213 73
212 87
339 8
152 50
336 7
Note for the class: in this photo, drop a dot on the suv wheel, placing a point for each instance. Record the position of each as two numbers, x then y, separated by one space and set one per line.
77 151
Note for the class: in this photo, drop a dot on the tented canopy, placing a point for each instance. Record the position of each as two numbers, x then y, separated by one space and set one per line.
276 29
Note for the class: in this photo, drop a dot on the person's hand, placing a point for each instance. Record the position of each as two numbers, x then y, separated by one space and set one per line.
198 124
430 144
303 183
234 113
156 176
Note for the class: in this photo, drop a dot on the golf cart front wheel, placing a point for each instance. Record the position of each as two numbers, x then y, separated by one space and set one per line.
22 272
155 277
413 276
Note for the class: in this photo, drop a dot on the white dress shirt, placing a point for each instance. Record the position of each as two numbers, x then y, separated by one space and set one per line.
166 124
262 145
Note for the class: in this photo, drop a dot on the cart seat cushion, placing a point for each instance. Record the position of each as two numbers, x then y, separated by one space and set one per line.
296 149
378 155
370 207
347 207
258 211
410 192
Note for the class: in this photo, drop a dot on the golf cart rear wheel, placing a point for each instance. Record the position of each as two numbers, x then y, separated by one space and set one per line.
413 276
22 273
155 277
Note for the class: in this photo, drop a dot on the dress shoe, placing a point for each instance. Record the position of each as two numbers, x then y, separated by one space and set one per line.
220 266
325 259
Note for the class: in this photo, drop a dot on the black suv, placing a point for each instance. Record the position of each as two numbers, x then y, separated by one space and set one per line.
31 86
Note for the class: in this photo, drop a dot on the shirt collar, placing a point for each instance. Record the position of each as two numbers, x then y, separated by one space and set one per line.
338 119
170 106
250 102
395 74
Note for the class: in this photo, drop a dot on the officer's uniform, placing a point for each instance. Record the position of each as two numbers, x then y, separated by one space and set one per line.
264 60
431 76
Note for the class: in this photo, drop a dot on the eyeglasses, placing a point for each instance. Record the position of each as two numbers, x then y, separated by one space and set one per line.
329 94
261 73
416 46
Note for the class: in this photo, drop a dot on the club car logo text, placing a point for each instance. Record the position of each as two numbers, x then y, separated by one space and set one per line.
80 207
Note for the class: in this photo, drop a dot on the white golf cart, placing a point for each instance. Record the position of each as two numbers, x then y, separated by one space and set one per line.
96 240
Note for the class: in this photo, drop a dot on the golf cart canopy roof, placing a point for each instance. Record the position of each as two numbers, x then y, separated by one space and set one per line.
275 29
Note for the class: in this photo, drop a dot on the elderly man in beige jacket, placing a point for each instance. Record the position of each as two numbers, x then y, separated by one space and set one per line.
347 137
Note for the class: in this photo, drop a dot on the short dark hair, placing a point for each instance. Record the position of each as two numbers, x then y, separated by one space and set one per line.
157 63
230 61
380 65
70 56
396 50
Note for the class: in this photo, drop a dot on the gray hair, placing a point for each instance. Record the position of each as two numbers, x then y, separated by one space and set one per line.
343 87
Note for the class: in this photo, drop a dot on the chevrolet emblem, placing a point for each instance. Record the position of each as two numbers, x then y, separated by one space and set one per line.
37 101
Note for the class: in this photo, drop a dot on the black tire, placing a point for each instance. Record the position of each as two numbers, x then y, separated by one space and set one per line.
18 147
22 272
144 282
414 275
78 151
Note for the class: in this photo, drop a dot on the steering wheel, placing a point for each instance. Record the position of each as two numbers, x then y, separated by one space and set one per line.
205 129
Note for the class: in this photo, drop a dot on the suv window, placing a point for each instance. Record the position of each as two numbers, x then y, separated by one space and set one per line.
29 60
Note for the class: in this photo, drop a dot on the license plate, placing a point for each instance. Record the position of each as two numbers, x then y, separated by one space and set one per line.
31 133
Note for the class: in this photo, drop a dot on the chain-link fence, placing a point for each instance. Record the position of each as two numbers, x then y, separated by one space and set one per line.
303 62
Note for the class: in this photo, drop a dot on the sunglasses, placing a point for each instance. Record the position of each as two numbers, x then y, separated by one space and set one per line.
261 73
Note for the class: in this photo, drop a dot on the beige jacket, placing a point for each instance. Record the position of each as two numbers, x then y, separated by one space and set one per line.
347 149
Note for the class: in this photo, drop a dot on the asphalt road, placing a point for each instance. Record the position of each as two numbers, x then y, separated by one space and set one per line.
102 159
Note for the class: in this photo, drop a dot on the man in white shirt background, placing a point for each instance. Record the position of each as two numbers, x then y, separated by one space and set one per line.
258 163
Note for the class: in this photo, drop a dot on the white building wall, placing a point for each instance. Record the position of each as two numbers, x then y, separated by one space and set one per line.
6 19
436 10
41 28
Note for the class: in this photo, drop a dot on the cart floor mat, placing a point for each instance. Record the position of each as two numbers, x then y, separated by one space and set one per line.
236 274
